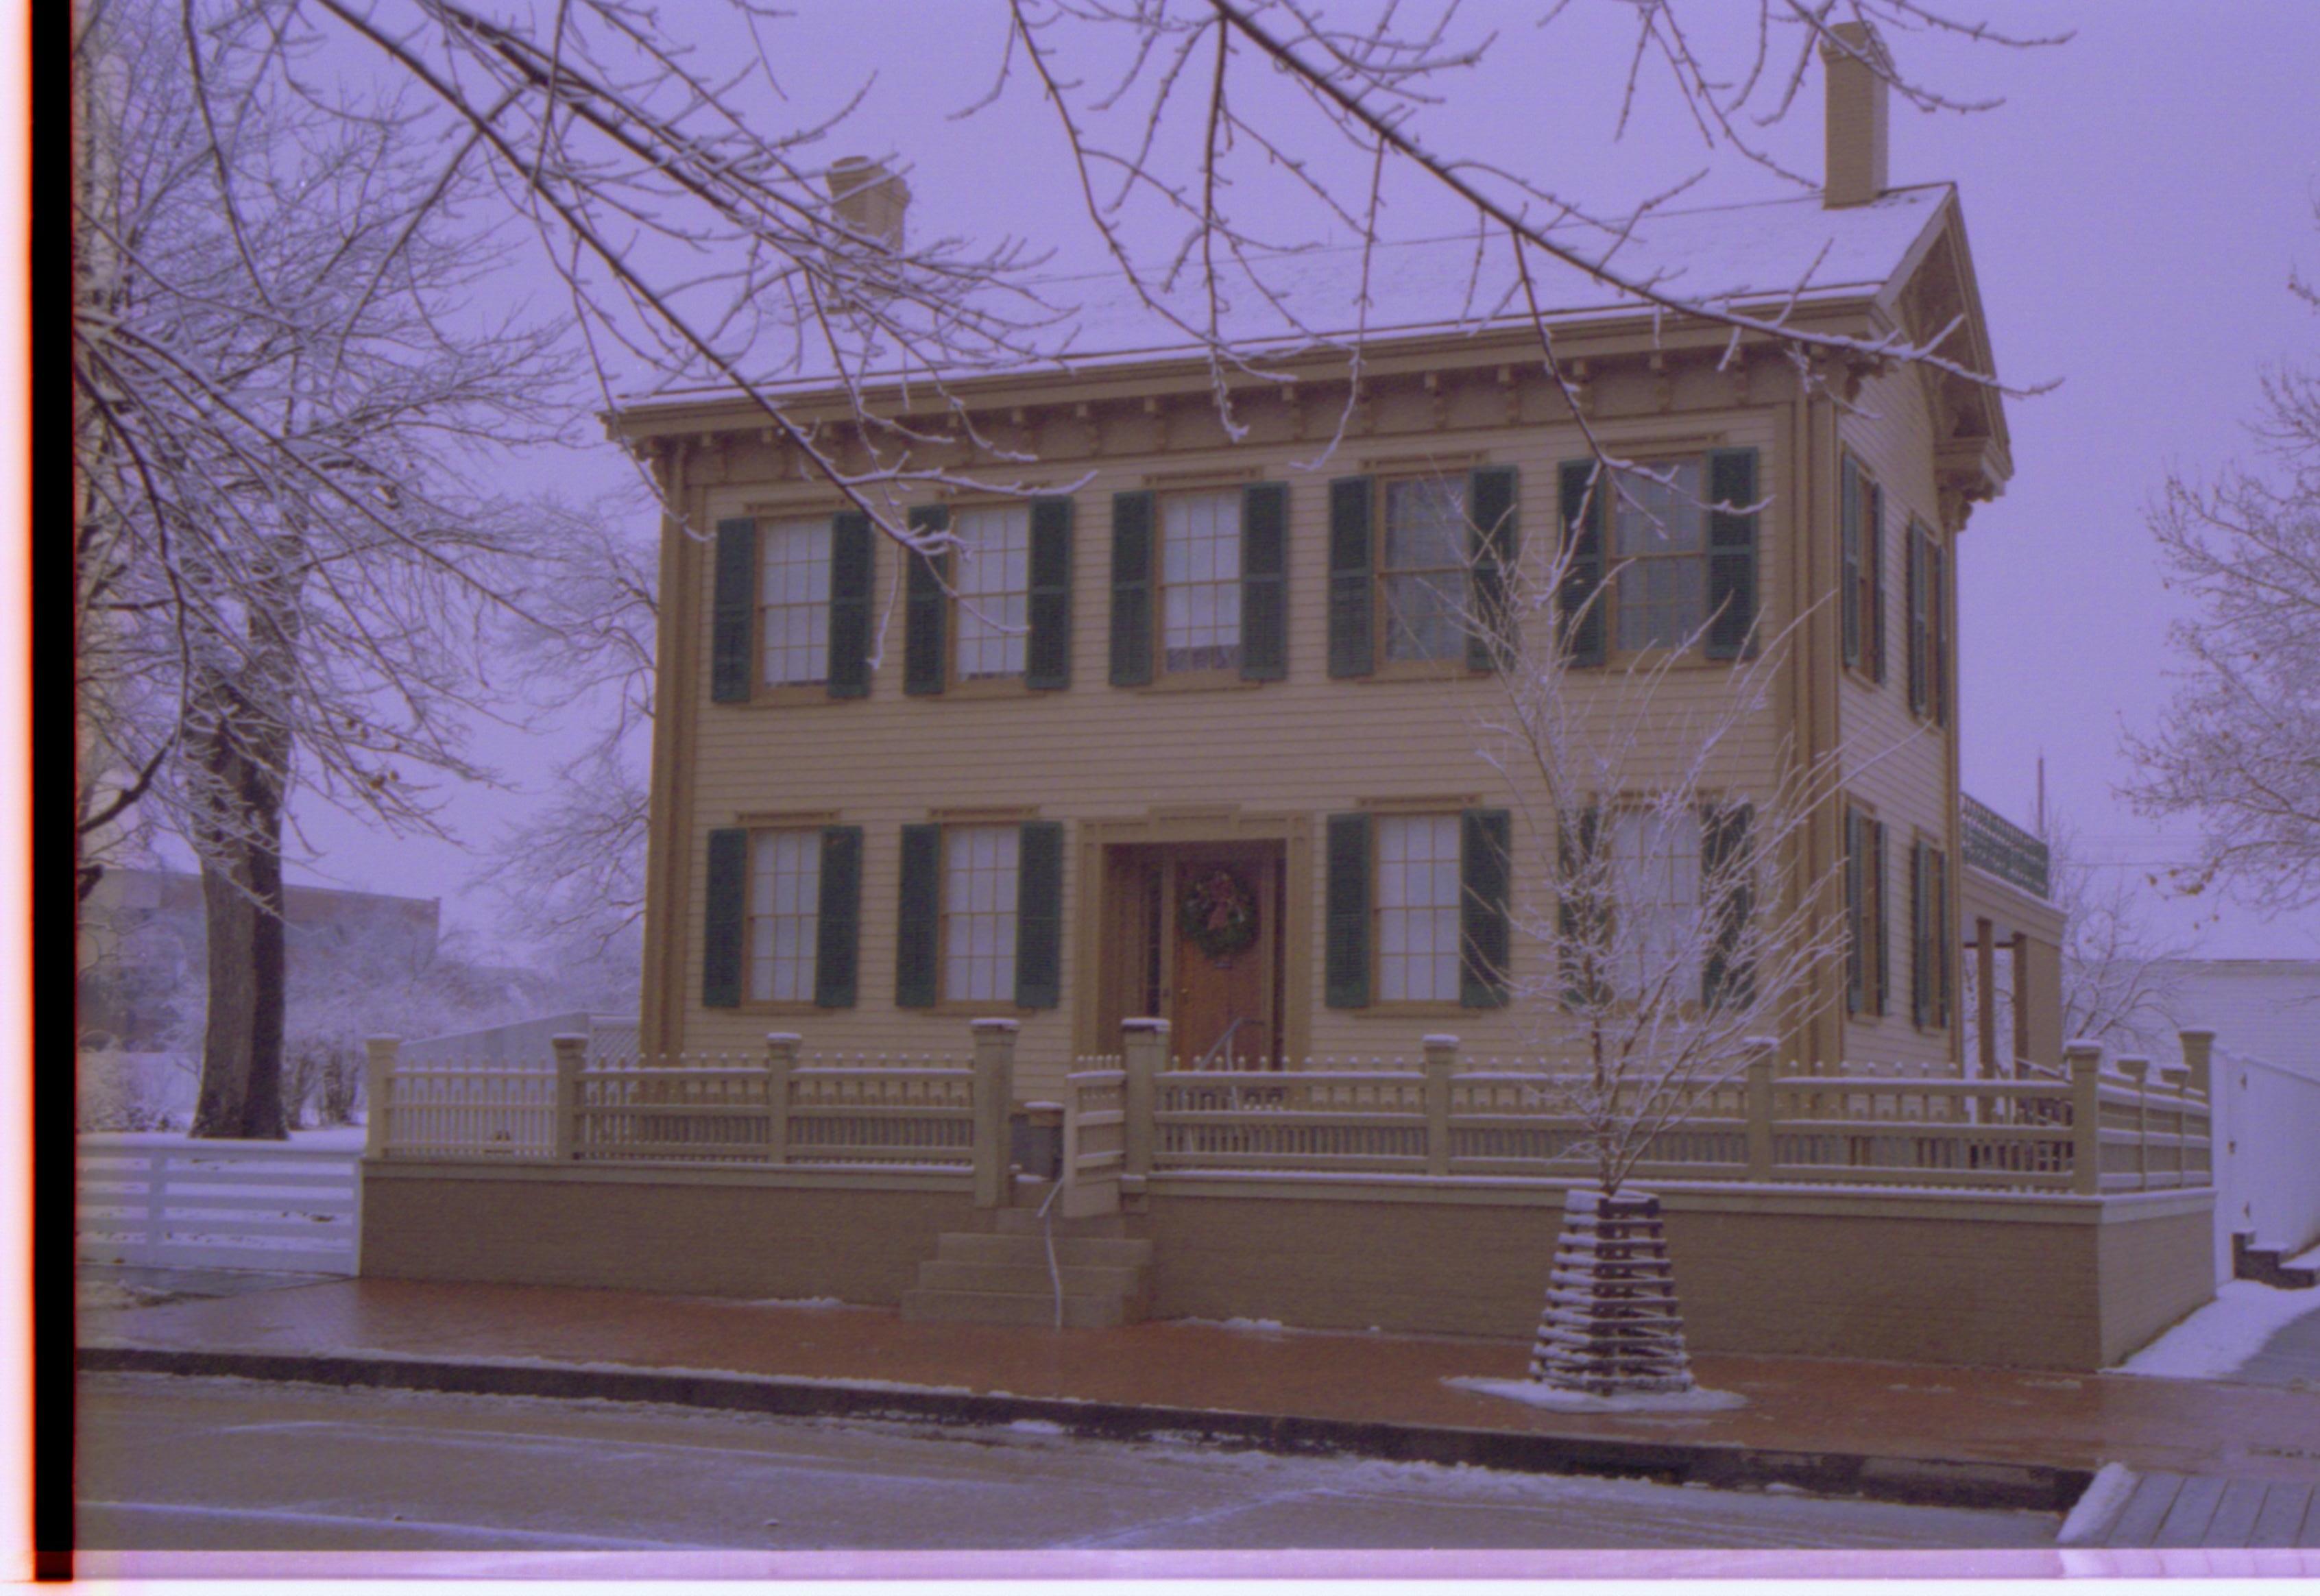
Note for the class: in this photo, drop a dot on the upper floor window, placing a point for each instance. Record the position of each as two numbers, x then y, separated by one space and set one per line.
1200 582
793 602
1862 542
1422 568
1681 537
1929 626
993 584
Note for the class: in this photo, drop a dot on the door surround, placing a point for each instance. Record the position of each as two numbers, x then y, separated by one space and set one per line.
1219 823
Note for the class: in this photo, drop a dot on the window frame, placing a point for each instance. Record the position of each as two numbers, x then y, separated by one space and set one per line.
948 1002
1164 676
761 688
1864 600
1381 630
1607 840
813 832
1002 684
1933 1002
1454 1002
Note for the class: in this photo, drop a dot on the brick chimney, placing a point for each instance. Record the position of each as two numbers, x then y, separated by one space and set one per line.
1856 115
868 198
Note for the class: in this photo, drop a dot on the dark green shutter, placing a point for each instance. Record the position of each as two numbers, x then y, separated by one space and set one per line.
1915 583
1497 545
1879 938
1731 553
1047 653
1725 979
1944 944
927 606
725 905
918 933
1485 869
851 567
838 933
1857 952
1264 582
1920 940
1848 538
1938 632
1346 962
1132 589
1578 606
734 627
1579 914
1352 599
1872 561
1039 915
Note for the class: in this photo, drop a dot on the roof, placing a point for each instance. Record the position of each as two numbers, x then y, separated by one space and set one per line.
1762 255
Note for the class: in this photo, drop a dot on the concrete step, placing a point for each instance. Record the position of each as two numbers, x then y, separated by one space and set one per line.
923 1306
1081 1280
1115 1251
1026 1221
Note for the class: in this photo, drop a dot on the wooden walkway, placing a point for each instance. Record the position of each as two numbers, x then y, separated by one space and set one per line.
2202 1510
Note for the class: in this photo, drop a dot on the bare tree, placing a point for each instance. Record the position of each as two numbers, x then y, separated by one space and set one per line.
2117 987
2239 747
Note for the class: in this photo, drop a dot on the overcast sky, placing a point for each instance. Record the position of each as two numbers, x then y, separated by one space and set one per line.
2134 208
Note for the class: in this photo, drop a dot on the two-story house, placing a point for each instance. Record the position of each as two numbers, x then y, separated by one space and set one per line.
1189 729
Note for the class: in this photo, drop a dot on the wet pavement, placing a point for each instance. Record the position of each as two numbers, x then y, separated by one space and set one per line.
1801 1405
2292 1358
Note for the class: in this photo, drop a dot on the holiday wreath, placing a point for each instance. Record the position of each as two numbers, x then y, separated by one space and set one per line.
1217 912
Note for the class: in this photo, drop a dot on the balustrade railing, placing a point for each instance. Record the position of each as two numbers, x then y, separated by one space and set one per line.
1136 1115
1995 844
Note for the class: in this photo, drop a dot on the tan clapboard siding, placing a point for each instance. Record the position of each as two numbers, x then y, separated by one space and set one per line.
1906 767
1306 746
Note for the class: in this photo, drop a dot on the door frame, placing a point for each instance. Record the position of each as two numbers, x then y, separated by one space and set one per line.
1207 824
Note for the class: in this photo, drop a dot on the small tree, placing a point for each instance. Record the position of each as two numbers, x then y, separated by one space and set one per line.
1674 928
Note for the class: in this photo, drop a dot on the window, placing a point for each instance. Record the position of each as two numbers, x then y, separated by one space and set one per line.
1681 539
994 590
1659 541
1931 939
1200 582
1865 912
1654 891
1929 646
1418 908
1422 568
784 915
978 912
1862 537
793 602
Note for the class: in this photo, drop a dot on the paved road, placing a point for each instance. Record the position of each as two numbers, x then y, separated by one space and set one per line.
181 1464
2290 1358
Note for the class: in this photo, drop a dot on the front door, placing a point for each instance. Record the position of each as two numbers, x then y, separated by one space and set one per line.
1220 902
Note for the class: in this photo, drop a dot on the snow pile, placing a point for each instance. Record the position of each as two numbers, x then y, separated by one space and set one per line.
1538 1395
2213 1343
2114 1482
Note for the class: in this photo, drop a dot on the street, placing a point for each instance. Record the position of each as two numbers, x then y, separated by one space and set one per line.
174 1464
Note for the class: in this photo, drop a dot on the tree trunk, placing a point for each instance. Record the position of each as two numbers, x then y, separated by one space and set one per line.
242 901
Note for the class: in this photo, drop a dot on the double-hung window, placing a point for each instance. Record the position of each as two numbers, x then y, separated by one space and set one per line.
980 865
793 602
1422 558
1418 570
785 915
1929 627
1865 961
1658 556
1418 908
1658 544
980 922
1200 582
1656 942
1932 941
782 920
993 584
1862 540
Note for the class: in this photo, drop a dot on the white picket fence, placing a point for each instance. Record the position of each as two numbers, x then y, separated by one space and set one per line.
215 1205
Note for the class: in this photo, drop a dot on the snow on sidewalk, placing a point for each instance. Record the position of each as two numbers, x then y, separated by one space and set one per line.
2213 1342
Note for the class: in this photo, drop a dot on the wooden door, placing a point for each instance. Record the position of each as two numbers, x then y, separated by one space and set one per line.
1221 1001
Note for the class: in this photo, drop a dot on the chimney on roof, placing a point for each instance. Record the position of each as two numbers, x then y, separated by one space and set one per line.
869 199
1854 61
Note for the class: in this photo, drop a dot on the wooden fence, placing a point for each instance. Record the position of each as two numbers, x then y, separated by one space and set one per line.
214 1205
1132 1116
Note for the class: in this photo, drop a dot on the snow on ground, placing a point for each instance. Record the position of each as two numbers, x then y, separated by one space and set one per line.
1538 1395
2213 1342
2310 1260
328 1138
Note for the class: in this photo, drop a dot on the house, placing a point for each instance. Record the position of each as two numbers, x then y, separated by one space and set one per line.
1164 796
1185 662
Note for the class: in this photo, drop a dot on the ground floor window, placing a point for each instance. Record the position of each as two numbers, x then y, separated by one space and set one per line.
1418 860
979 865
784 915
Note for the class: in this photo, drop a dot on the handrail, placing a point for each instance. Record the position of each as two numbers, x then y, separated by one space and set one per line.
1238 1020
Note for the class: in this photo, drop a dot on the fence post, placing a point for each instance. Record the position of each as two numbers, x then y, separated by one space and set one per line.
379 1056
1760 1107
571 1058
2137 1072
1143 1049
781 1059
2084 1060
994 1107
2198 1064
1441 1064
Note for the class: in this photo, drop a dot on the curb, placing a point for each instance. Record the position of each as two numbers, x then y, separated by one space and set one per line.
1922 1482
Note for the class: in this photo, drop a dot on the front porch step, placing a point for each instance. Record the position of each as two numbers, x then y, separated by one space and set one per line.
1001 1276
922 1306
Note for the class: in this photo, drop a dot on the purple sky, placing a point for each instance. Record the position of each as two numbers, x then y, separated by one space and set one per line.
2134 208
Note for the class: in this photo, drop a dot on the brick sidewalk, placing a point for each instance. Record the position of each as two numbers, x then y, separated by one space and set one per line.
1937 1416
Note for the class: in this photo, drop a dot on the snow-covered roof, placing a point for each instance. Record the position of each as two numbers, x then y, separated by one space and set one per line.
1755 255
